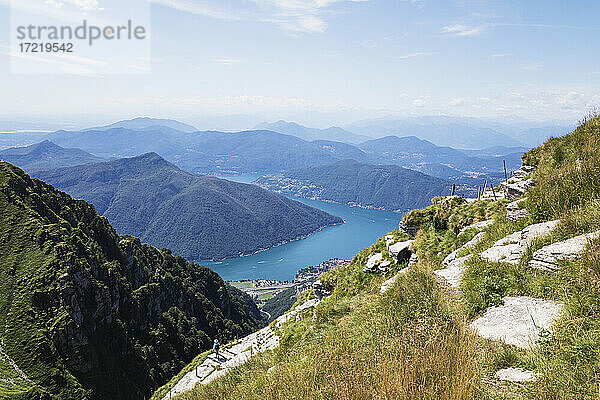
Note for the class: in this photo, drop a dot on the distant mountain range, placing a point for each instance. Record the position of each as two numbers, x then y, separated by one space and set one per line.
461 132
309 134
202 152
446 133
388 187
263 151
46 155
198 217
142 123
412 152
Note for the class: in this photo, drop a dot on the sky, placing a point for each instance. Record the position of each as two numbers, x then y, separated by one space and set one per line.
340 60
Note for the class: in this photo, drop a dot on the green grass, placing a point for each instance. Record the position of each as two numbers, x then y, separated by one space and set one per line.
454 213
403 345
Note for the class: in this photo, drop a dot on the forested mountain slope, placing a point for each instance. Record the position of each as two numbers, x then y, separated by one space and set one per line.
88 314
388 187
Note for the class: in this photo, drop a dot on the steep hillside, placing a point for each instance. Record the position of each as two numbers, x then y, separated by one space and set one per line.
88 314
499 301
46 155
196 216
387 187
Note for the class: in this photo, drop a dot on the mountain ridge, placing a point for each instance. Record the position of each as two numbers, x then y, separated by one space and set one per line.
333 133
141 123
199 217
46 154
387 187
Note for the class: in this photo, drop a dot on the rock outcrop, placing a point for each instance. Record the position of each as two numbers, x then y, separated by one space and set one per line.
548 258
514 212
375 263
517 186
524 171
514 189
478 225
518 320
400 251
469 245
454 272
511 248
321 291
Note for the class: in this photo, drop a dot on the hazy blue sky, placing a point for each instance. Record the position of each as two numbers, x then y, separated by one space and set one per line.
538 59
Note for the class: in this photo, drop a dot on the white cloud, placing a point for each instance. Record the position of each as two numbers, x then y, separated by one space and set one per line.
499 55
457 102
227 61
298 16
83 5
419 103
138 68
293 16
80 60
69 64
461 30
200 8
412 55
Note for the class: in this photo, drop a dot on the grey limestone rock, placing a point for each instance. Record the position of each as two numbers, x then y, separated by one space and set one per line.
518 321
516 375
401 251
511 248
514 212
547 258
454 272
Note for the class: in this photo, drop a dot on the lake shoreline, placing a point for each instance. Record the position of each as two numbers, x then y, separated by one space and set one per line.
270 247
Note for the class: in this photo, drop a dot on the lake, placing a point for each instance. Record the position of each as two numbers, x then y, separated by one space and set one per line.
362 228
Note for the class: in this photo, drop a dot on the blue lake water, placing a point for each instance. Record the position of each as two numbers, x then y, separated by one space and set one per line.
362 228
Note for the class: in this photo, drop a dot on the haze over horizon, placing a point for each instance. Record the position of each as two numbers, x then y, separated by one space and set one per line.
332 62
